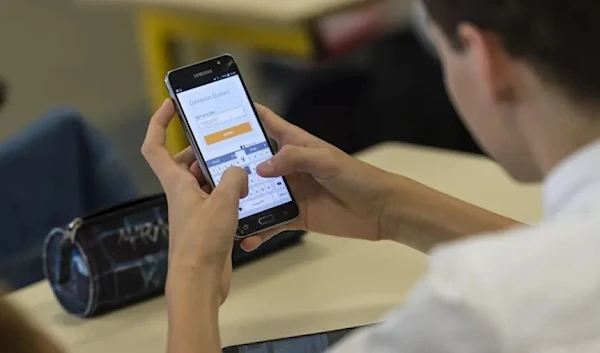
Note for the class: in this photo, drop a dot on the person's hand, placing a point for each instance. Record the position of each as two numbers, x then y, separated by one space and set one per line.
201 226
336 193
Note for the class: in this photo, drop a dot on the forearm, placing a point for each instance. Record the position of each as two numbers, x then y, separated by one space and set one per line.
193 316
421 217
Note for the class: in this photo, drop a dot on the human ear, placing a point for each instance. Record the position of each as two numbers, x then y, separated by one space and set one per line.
490 61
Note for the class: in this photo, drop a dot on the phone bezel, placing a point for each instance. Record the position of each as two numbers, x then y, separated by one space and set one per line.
202 73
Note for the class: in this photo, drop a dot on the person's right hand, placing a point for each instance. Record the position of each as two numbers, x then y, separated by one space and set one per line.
336 193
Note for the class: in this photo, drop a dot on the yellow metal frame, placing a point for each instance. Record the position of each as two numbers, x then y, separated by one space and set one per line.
157 30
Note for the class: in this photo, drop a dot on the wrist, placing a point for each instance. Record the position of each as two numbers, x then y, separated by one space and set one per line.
184 284
377 201
395 193
193 311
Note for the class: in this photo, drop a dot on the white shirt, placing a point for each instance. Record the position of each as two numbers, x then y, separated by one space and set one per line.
534 289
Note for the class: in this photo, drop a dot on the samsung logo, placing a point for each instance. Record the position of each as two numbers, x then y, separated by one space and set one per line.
203 73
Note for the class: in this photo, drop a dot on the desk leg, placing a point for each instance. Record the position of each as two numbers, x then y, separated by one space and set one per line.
158 58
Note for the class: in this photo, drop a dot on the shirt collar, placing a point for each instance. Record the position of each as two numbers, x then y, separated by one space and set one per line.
574 185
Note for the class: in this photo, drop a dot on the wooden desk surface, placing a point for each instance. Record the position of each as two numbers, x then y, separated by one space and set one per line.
280 11
324 284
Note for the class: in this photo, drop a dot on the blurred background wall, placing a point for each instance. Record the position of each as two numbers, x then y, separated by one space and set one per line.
56 52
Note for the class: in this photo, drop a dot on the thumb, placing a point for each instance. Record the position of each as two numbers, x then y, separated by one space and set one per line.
321 163
233 187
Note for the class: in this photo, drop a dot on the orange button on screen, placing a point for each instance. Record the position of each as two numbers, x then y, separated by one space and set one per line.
227 133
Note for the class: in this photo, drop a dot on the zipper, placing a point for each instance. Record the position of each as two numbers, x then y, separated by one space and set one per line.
67 242
72 230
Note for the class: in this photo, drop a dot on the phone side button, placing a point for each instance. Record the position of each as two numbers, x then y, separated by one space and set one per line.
266 219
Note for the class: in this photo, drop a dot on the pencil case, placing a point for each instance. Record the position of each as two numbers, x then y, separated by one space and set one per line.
118 257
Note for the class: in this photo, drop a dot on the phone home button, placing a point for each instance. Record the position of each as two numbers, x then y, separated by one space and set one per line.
266 219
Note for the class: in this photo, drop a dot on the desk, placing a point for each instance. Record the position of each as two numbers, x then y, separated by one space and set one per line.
280 26
273 11
326 283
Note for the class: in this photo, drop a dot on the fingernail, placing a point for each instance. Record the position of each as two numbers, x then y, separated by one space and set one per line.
247 248
265 167
251 244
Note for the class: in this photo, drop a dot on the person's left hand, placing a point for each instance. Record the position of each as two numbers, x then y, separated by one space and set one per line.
201 226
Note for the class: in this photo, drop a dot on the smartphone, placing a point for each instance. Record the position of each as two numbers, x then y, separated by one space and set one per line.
317 343
224 130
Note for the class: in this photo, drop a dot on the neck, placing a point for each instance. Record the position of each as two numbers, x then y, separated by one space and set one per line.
556 128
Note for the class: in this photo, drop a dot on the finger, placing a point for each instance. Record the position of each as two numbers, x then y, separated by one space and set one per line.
285 133
282 131
233 187
275 125
197 172
319 162
250 244
185 157
254 242
153 147
199 176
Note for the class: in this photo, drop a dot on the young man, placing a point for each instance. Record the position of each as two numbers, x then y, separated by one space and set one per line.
524 75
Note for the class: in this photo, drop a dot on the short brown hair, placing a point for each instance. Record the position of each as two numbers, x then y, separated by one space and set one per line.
557 37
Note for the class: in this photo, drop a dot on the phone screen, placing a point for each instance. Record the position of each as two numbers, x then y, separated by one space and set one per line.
228 133
317 343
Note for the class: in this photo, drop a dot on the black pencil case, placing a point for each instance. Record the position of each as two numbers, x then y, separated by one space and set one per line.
118 257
